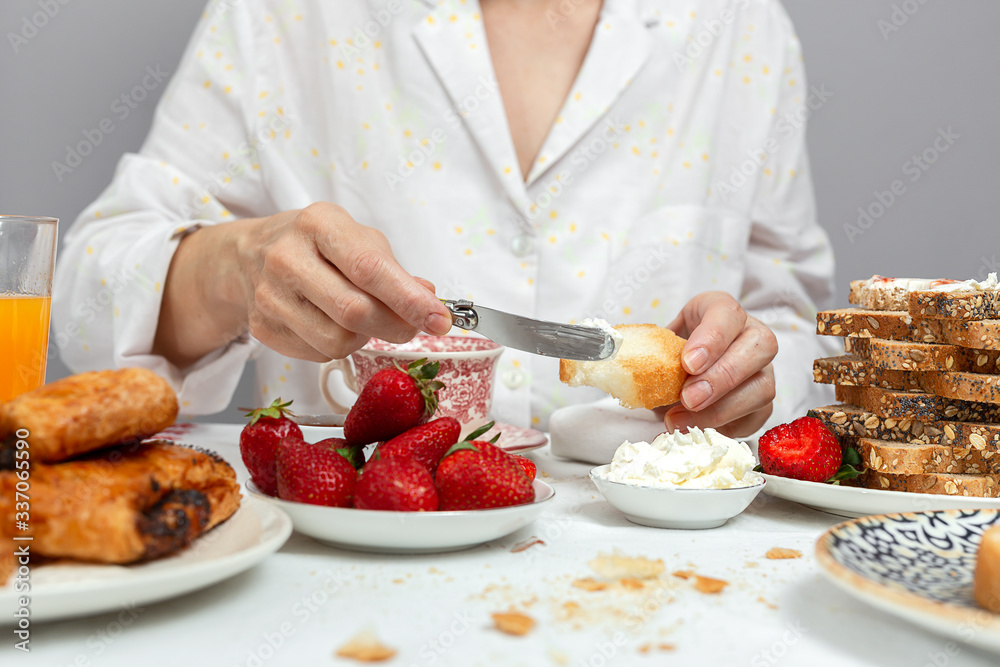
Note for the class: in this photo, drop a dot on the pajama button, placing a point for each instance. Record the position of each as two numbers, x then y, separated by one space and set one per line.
522 245
513 379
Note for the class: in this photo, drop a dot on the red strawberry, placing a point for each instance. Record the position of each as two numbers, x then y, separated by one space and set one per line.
804 449
425 444
527 465
314 475
354 455
259 442
396 484
472 475
394 400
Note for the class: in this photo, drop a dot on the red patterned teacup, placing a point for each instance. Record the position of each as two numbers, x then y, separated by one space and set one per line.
468 366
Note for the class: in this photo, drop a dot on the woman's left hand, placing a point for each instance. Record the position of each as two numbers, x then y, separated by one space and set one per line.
728 355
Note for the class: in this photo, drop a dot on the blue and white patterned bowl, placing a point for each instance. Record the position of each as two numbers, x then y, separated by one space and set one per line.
916 565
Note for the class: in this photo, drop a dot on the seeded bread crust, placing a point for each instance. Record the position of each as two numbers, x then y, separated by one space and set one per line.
851 370
916 405
878 295
907 356
890 324
983 305
911 458
846 420
964 386
952 484
899 325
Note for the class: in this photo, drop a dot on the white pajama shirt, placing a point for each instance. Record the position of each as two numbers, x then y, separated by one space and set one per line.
676 165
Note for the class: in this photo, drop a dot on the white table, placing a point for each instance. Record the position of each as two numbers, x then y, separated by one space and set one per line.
299 605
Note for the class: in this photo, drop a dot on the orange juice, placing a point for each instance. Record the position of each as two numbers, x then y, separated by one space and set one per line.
24 339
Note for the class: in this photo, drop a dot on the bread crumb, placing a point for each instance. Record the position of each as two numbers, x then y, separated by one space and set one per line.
684 574
617 566
398 581
513 623
365 647
632 584
526 544
708 585
646 648
590 584
777 553
766 603
558 657
751 563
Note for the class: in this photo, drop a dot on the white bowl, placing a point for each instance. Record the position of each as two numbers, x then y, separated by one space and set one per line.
675 508
408 532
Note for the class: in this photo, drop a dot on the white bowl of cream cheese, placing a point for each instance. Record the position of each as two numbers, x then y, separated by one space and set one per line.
693 480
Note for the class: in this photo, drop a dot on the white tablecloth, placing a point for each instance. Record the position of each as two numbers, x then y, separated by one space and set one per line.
301 604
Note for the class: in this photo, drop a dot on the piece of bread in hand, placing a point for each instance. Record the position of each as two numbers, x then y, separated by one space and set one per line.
646 372
986 583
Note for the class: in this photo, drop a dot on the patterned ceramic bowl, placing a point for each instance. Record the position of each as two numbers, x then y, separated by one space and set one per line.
468 366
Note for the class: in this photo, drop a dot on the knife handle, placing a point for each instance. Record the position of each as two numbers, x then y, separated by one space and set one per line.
463 314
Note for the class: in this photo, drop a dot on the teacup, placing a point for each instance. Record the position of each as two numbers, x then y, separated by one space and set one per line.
468 367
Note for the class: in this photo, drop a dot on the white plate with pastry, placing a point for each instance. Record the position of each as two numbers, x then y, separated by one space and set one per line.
409 532
921 566
62 590
851 502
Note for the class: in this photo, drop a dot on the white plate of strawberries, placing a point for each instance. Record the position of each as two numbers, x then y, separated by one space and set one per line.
419 489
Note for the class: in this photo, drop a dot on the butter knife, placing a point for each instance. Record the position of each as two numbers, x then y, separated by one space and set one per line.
549 339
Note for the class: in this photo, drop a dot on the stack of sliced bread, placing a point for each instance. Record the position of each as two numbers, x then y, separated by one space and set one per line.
919 384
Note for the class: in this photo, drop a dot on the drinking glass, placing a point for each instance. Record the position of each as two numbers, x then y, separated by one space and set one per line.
27 258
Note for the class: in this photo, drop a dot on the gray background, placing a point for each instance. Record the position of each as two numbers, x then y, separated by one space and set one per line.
892 92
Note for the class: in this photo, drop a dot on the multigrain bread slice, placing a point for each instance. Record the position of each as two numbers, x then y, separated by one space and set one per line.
952 484
889 324
845 420
965 305
646 372
900 325
916 405
908 356
979 387
913 458
883 293
852 370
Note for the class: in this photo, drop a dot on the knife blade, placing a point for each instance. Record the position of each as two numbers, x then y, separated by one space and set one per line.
549 339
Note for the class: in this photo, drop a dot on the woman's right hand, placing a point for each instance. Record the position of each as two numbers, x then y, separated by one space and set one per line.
312 284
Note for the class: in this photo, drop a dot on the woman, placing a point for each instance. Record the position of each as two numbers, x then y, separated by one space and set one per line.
638 161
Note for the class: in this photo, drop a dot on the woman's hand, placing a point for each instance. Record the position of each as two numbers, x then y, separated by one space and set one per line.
728 354
311 284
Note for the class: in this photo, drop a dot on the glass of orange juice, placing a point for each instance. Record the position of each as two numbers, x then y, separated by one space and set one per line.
27 257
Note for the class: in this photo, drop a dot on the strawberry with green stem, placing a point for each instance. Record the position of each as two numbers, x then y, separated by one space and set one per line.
259 442
394 400
317 475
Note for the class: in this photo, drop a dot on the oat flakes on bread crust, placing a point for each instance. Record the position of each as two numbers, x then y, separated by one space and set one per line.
646 372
